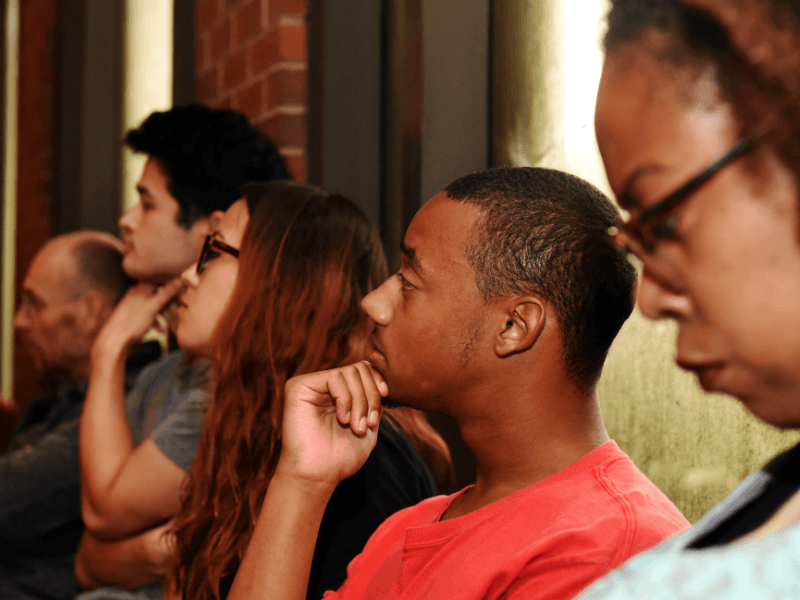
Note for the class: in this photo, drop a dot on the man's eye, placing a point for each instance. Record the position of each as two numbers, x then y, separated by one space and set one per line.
404 283
212 254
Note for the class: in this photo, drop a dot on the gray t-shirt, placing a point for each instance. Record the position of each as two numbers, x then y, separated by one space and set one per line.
168 403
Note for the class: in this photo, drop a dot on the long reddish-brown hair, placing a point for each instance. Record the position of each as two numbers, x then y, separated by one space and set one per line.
306 261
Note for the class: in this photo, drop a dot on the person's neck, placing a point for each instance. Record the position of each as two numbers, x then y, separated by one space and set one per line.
77 374
529 431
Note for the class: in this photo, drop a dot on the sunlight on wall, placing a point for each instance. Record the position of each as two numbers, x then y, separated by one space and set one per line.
695 447
583 63
148 76
9 199
547 62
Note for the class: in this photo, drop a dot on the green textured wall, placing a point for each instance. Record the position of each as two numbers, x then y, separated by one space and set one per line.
695 447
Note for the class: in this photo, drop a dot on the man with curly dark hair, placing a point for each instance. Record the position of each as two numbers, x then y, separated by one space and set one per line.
135 450
198 160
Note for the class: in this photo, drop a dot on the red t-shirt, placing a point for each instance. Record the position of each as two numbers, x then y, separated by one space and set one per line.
548 540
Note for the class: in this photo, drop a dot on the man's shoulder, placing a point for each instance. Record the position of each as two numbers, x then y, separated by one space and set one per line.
56 410
633 490
600 510
623 505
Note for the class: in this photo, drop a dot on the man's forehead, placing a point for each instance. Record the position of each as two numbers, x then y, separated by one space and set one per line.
440 231
51 271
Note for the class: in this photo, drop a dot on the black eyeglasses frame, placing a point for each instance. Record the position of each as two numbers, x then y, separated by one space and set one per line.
213 242
637 229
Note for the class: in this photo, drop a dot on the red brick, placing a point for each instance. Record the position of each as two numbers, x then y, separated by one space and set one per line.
297 167
248 21
285 130
264 53
286 88
282 7
222 103
250 100
208 12
235 70
292 42
208 86
220 39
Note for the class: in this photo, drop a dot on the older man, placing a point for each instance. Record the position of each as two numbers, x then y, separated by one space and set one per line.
71 288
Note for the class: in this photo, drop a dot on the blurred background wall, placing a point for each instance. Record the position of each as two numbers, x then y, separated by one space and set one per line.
386 101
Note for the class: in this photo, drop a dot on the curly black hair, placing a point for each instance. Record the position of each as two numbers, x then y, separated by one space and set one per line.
207 155
545 232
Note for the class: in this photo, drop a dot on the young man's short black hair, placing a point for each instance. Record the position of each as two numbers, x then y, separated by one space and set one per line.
545 232
207 155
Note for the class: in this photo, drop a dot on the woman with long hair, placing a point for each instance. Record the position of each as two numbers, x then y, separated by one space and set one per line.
276 293
698 123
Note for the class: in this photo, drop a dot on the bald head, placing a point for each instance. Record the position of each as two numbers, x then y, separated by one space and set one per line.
78 262
72 285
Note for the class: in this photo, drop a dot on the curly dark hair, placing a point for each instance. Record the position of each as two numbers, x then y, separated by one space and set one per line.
753 45
545 232
207 156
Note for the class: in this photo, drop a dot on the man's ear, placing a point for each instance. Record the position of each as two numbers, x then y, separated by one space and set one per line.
523 322
92 310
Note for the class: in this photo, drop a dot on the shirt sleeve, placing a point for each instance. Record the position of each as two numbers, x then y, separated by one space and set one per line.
178 435
40 485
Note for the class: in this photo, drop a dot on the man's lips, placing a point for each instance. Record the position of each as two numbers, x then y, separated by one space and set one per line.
377 353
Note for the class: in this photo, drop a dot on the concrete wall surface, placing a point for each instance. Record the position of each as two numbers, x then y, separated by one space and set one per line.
694 446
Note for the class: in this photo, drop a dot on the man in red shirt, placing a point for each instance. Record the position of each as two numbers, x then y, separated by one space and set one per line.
508 298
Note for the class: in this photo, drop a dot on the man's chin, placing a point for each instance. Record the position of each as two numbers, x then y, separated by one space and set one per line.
132 269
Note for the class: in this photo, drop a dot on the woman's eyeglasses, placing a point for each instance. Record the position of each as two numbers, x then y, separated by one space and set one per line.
640 236
207 253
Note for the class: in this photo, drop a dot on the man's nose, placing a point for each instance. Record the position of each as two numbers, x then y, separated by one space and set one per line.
129 219
21 321
378 303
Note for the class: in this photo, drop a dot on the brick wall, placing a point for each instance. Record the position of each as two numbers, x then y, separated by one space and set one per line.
251 56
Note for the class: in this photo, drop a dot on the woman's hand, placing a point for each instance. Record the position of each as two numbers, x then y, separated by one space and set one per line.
134 315
330 423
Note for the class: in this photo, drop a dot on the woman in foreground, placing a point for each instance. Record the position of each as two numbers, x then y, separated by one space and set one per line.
276 293
698 122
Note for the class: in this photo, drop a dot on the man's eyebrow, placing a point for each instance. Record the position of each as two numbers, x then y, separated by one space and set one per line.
411 255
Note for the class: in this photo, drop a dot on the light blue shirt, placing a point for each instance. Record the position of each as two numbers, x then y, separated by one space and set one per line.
765 569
